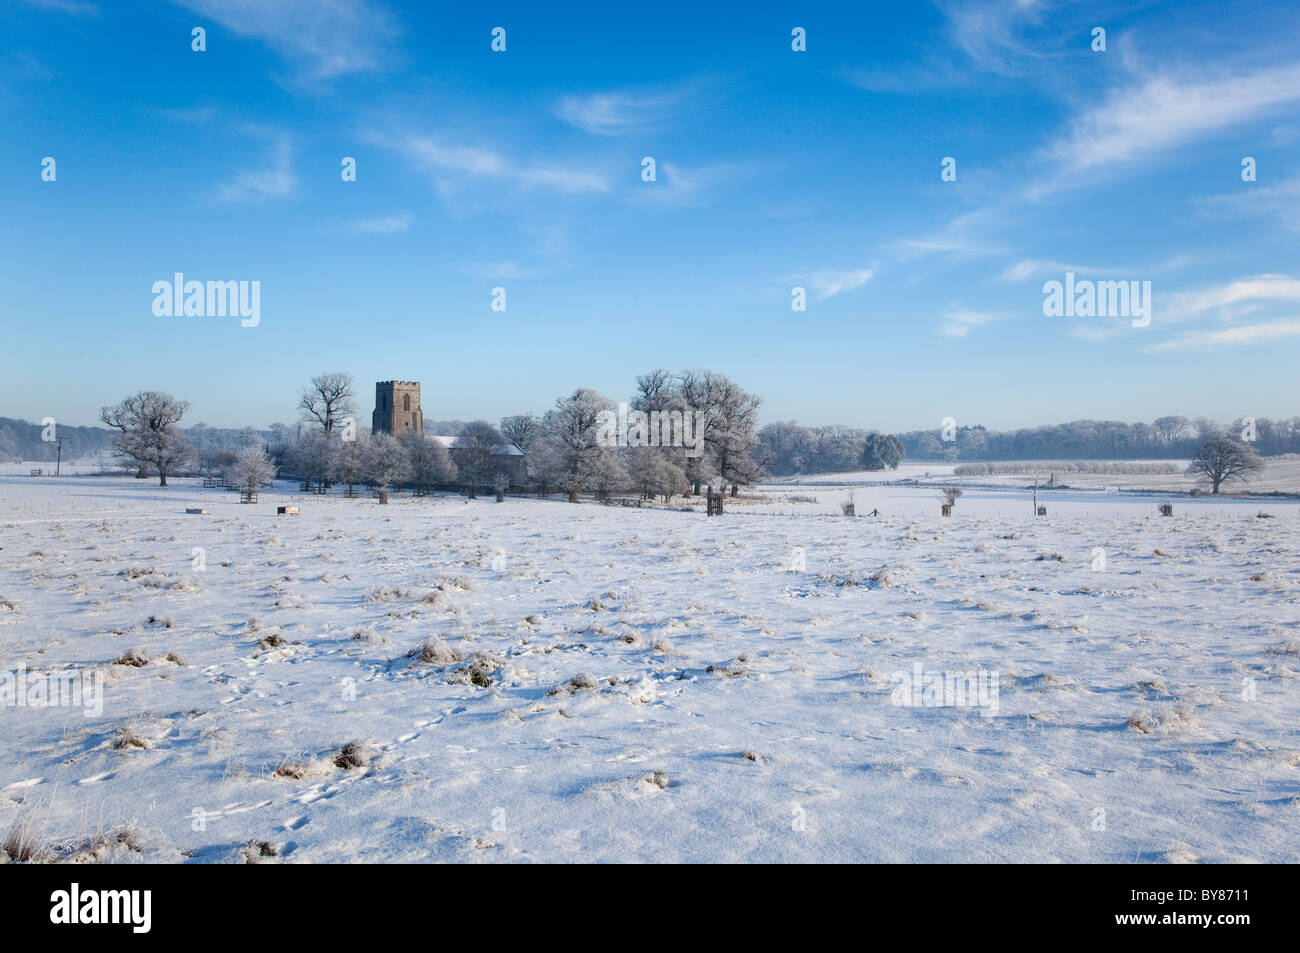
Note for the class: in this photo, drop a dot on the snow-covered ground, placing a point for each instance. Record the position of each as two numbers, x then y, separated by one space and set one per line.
616 683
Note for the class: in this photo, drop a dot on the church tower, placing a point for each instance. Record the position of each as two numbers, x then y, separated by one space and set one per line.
397 407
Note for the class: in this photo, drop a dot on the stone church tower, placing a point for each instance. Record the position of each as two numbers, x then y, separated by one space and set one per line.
397 407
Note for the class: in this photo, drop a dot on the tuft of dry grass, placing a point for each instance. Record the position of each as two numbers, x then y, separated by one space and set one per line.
136 658
22 842
434 651
354 754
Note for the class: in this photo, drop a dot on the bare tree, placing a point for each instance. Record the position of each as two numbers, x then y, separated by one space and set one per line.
522 430
479 446
328 400
573 457
149 432
1220 458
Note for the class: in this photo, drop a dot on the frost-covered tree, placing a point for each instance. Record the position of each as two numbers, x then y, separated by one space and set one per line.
882 452
730 421
655 473
522 430
572 457
348 458
1220 458
387 463
429 461
251 468
312 457
148 431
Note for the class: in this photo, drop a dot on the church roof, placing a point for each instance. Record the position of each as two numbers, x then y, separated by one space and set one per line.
508 450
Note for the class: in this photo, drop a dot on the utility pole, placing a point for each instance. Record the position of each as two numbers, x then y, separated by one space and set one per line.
58 464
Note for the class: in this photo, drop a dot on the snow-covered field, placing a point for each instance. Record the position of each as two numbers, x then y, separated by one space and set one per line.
615 684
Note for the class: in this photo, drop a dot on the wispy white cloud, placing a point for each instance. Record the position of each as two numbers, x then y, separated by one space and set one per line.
275 180
1232 337
75 7
678 185
1280 201
958 322
827 282
503 271
1233 300
452 163
385 225
1145 119
622 111
194 116
322 39
988 32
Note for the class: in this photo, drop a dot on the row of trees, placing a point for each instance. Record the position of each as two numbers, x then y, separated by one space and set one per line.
1170 437
791 449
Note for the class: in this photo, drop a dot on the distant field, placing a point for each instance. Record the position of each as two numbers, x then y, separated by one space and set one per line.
1278 476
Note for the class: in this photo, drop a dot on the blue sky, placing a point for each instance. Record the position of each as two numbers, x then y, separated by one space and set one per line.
775 168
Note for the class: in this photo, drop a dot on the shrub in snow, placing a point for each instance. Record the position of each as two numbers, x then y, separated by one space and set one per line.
133 657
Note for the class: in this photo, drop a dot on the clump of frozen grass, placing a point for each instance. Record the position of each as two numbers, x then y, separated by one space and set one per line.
434 651
657 779
1166 721
136 658
99 846
368 635
22 841
272 641
1289 647
582 682
166 623
354 754
1043 557
478 671
298 768
728 669
398 594
8 605
662 645
134 572
882 578
255 851
175 659
127 737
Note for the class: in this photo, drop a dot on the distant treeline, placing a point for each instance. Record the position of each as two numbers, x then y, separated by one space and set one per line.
1164 438
20 440
792 448
1126 467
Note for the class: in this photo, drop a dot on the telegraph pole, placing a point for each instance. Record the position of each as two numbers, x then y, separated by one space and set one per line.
58 464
